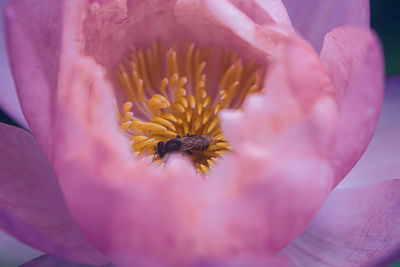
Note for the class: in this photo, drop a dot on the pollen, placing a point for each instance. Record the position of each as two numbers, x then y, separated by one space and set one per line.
174 91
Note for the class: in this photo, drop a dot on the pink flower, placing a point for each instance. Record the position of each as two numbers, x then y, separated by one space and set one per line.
77 191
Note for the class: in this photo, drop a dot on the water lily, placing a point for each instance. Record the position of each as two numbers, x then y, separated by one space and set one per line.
102 83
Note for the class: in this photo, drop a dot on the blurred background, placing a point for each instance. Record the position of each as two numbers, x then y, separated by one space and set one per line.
385 20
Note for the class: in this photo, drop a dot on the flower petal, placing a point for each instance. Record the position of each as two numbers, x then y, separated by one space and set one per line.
355 227
110 25
51 261
137 23
110 28
31 205
264 38
33 43
282 128
315 18
353 58
381 161
264 12
8 100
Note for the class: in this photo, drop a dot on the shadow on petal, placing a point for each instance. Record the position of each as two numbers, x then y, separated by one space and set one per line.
51 261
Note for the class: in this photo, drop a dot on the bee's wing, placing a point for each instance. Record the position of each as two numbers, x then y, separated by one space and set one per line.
191 143
208 138
194 142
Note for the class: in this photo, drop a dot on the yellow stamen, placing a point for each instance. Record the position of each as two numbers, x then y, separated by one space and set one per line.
164 102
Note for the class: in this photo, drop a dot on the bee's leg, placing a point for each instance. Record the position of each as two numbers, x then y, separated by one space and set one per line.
178 136
189 152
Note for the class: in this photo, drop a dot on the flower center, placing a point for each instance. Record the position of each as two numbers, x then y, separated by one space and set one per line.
175 96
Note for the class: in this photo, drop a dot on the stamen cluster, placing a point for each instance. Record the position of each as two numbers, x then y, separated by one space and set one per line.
174 94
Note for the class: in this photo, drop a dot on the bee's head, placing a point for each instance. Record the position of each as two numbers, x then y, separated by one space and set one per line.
160 149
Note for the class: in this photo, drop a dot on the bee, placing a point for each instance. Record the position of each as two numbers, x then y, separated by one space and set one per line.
188 143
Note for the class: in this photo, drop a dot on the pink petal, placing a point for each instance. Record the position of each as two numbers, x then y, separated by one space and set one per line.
285 127
51 261
33 41
31 204
353 58
264 38
315 18
264 12
381 161
8 101
210 23
111 27
357 226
